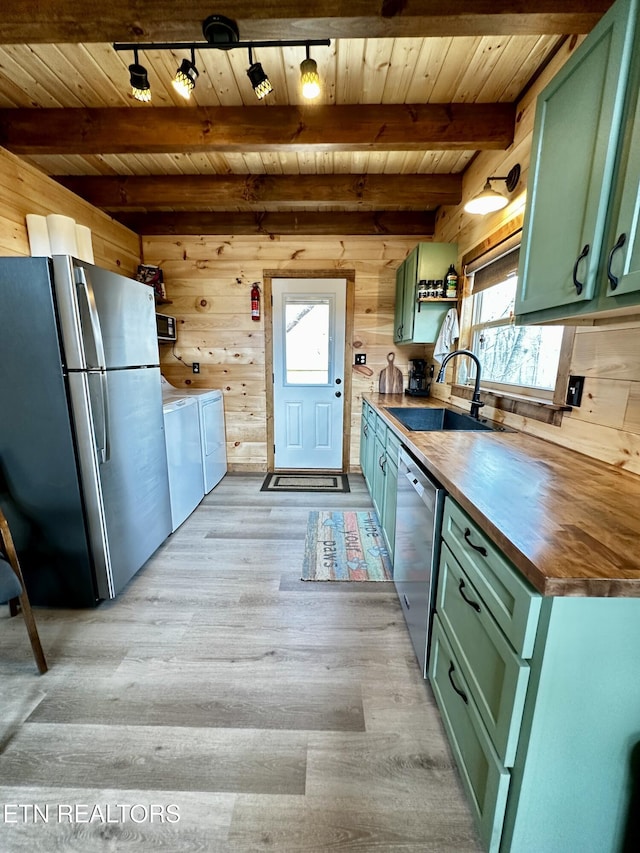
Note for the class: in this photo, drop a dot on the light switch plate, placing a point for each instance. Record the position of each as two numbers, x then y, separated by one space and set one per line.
361 358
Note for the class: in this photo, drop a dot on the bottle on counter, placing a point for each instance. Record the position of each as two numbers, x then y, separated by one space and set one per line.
451 283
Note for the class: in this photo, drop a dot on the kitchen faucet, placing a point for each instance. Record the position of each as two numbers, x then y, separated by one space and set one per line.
476 404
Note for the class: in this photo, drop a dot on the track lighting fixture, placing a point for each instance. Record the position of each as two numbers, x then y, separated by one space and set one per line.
139 80
221 33
309 77
489 200
259 80
185 80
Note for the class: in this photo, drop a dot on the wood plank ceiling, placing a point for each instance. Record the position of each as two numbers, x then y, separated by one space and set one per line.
410 93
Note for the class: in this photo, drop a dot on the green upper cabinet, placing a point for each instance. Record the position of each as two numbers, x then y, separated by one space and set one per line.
420 323
575 158
622 268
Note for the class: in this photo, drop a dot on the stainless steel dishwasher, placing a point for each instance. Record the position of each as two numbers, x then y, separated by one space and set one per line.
417 550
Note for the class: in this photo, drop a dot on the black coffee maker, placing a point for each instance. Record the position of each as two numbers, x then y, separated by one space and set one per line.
419 378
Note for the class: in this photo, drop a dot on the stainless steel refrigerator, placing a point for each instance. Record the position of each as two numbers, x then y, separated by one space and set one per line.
83 468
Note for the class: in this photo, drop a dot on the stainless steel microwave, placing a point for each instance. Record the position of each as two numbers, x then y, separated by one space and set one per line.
166 327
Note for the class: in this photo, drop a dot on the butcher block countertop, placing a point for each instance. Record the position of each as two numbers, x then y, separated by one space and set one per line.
569 523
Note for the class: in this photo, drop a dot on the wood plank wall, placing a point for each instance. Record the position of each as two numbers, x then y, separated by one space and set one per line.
607 424
209 280
24 189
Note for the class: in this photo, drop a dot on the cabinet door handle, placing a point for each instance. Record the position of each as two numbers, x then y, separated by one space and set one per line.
613 279
471 603
579 284
365 430
460 693
480 548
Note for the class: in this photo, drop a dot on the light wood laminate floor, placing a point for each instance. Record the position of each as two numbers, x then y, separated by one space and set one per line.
270 714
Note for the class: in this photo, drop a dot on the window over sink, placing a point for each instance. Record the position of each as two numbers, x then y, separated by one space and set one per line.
519 359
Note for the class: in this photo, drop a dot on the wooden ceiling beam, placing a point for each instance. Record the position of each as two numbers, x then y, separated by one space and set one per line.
410 223
258 192
73 21
348 127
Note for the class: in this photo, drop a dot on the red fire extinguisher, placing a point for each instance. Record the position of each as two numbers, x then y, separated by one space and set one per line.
255 301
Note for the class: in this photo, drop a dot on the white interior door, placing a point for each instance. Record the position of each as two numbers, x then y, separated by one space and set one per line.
308 367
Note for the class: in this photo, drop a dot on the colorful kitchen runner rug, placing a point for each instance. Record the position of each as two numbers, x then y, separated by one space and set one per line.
345 546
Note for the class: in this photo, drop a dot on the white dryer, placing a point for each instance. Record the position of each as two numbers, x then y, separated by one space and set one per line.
184 458
212 431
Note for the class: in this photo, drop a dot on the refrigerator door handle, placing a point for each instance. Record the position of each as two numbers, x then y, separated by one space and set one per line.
106 444
85 288
100 418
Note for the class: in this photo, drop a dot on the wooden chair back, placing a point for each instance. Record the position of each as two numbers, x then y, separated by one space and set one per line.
8 551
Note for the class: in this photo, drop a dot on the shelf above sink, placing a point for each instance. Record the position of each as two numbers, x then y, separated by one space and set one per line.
430 419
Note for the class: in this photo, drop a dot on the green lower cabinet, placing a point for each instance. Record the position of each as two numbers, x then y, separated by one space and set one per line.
379 461
543 732
392 447
367 445
497 676
377 490
484 777
572 779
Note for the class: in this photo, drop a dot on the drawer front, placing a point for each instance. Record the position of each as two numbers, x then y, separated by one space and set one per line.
496 676
381 430
513 603
484 777
393 446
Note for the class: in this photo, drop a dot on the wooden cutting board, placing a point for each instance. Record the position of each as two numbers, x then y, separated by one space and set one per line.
390 377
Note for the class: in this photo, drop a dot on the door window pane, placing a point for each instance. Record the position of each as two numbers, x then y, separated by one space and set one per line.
307 337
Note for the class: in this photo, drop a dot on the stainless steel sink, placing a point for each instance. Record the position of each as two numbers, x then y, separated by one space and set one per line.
431 419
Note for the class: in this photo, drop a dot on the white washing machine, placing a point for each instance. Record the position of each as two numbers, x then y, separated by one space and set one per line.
184 457
212 432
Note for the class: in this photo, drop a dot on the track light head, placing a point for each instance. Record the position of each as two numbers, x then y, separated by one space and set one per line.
185 80
309 78
258 79
139 80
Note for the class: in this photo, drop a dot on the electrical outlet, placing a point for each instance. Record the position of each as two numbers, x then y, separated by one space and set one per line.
361 358
196 367
574 391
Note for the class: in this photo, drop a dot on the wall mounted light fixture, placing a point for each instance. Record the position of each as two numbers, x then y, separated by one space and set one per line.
489 200
221 33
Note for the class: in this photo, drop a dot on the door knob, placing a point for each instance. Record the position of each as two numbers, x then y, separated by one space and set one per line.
338 393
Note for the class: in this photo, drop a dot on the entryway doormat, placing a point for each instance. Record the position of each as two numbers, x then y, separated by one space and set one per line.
345 546
305 483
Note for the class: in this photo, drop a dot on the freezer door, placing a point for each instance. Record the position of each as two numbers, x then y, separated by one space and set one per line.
107 320
127 314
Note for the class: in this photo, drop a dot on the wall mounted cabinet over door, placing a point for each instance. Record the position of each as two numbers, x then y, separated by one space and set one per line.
414 323
569 229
